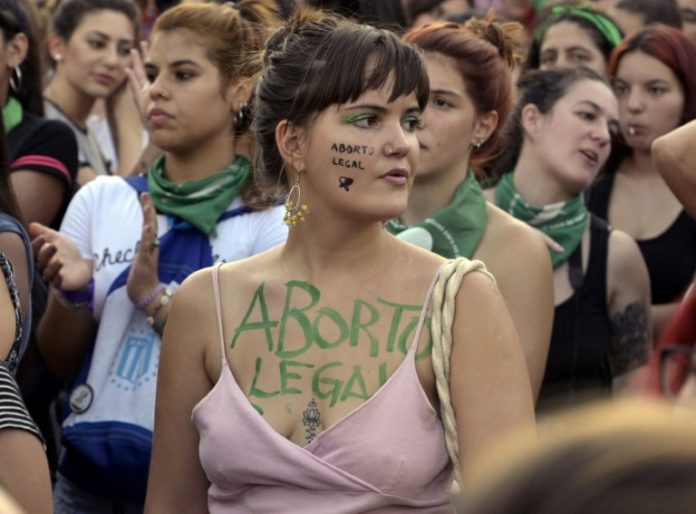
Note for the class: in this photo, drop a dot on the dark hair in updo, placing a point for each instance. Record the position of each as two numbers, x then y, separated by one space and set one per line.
318 60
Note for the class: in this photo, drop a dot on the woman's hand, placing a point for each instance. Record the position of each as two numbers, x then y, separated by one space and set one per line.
59 259
143 277
139 84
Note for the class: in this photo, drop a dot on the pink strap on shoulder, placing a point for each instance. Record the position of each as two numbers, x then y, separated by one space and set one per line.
424 310
218 308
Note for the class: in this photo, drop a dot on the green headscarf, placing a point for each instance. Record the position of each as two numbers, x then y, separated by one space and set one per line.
604 25
201 202
455 230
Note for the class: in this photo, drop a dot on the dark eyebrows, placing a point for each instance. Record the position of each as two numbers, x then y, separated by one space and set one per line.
378 108
593 105
656 82
371 107
445 92
613 122
175 64
103 35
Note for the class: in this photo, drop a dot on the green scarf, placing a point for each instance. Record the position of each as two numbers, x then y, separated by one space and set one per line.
455 230
201 203
564 222
12 114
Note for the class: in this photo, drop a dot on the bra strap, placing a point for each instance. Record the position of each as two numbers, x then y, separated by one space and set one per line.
218 308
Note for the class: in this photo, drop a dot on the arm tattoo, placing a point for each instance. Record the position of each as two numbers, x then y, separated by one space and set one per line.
628 343
311 420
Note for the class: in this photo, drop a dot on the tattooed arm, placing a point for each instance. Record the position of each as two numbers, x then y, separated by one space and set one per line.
628 299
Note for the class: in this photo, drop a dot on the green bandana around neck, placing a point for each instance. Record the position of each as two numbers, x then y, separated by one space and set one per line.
201 202
564 222
12 114
455 230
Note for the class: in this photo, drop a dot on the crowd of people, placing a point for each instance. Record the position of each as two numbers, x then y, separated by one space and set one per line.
327 256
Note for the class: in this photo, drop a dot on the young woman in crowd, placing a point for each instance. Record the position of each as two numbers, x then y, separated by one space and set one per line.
447 213
42 153
559 138
23 466
634 15
301 351
572 36
654 78
122 252
90 44
687 11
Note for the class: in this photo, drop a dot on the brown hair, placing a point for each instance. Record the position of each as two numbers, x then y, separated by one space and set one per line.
233 35
318 60
619 456
485 51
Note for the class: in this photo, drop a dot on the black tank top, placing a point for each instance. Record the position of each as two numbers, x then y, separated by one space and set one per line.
577 366
669 257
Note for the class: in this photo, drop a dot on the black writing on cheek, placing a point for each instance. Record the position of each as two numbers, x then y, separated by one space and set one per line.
629 341
345 182
352 149
347 163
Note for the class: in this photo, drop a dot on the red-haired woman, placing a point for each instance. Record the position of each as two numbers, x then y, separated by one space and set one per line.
654 78
447 213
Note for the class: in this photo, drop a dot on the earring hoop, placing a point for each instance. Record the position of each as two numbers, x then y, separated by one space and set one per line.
242 119
16 86
295 210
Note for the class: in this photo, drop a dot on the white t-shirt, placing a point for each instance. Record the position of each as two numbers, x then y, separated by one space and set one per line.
105 220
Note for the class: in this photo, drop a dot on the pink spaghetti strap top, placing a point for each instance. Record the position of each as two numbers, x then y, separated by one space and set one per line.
387 455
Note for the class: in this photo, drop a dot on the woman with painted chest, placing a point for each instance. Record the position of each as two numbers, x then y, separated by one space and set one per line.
196 206
307 367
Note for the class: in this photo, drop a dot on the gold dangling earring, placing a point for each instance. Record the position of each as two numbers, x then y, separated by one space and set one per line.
295 210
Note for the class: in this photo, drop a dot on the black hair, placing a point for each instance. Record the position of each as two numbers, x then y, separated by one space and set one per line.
543 89
382 13
319 60
16 18
70 14
653 11
8 204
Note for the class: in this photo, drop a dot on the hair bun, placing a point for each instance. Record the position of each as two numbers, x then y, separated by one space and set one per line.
508 38
302 19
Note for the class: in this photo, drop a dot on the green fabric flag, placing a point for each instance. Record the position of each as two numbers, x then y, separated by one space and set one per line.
455 230
564 222
200 202
12 114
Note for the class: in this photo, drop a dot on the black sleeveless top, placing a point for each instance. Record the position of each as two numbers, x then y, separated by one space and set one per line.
670 257
577 366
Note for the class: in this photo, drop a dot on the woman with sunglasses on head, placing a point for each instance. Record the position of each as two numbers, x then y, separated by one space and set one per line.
126 244
572 36
276 367
90 43
654 79
559 136
447 213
